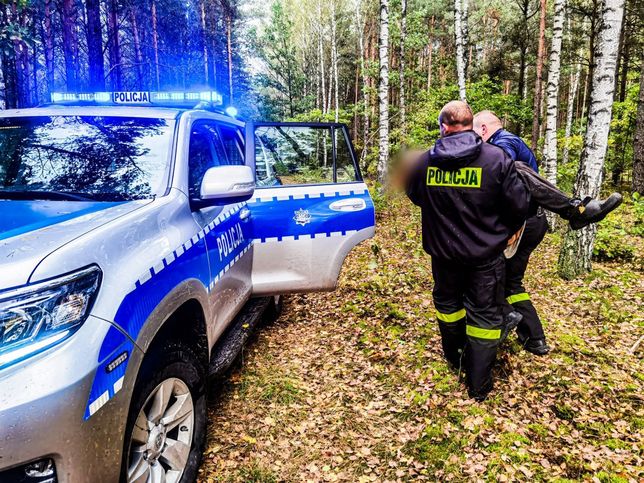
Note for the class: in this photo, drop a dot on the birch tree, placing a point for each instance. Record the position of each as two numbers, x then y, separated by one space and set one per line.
365 81
459 30
552 99
383 91
570 109
334 59
543 7
575 257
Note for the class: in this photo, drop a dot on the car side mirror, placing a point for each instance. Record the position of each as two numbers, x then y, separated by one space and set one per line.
226 184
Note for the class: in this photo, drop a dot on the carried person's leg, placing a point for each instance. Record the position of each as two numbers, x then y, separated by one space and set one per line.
450 311
579 213
484 305
530 329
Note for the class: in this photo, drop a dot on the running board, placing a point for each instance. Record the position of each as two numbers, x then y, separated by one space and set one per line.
232 341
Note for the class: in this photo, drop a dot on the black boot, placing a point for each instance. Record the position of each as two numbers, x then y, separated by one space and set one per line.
512 320
592 211
538 347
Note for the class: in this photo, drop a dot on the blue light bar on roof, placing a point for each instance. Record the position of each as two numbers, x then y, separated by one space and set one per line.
138 98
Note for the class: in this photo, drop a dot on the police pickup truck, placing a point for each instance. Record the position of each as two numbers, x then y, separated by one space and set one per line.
141 236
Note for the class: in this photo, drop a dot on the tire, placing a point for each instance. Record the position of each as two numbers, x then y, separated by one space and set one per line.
161 449
274 309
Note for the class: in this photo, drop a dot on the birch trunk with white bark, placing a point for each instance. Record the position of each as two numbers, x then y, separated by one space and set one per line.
572 94
334 55
365 82
383 92
575 256
552 100
459 30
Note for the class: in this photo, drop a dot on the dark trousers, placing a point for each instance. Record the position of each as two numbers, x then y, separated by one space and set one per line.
545 194
469 307
515 268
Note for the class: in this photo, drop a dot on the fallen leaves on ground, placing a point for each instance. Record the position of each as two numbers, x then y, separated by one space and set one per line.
351 385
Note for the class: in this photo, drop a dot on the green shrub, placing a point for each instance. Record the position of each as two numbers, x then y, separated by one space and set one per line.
612 240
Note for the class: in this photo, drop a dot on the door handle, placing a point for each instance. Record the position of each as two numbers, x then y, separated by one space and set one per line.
244 214
351 204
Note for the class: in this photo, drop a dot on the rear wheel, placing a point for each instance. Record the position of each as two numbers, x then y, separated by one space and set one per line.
166 426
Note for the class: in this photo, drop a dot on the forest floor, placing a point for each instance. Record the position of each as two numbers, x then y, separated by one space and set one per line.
351 385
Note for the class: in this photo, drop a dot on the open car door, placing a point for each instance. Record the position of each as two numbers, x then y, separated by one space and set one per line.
310 208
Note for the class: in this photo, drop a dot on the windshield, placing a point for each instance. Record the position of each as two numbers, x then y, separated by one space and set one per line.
84 157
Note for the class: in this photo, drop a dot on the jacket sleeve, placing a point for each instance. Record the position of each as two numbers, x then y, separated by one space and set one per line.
515 197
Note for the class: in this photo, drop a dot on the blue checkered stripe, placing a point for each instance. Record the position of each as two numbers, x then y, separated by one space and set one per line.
275 215
187 245
188 260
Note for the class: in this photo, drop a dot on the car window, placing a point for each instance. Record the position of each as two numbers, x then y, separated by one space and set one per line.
106 158
265 173
344 165
233 145
205 152
298 154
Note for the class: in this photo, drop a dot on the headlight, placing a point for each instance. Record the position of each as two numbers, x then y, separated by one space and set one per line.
35 317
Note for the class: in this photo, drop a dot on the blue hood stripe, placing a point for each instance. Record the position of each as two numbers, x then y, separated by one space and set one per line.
20 217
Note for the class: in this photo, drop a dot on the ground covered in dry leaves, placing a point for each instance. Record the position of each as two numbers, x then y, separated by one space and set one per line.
350 385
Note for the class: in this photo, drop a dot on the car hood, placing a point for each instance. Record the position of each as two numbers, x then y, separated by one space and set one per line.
31 230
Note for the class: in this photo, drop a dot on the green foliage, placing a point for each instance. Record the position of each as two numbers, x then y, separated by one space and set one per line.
422 128
611 242
638 210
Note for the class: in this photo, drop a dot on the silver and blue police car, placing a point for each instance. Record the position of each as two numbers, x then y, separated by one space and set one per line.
141 235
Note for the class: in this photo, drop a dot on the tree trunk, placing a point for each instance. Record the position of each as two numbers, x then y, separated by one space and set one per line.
401 83
321 57
572 94
229 49
539 79
334 60
48 42
552 99
383 92
70 44
204 42
638 142
459 31
115 45
575 256
155 45
365 84
95 45
430 47
136 39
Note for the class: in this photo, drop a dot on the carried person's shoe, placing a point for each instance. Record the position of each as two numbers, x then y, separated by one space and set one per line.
538 347
591 211
512 321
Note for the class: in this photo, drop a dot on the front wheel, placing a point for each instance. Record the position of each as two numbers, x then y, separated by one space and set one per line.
166 426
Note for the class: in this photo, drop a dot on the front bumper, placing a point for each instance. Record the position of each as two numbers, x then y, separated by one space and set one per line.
42 406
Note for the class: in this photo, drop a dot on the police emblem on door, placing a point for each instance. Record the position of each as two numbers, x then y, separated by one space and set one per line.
302 217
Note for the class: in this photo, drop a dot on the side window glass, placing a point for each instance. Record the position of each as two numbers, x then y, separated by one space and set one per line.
203 154
264 170
298 154
232 142
345 168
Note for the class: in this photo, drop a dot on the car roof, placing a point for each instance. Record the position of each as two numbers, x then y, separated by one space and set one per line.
113 111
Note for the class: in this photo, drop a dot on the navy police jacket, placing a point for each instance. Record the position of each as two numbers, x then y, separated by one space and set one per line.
515 147
471 199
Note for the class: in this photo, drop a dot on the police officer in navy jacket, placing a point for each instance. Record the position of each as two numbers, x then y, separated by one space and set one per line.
472 201
529 330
